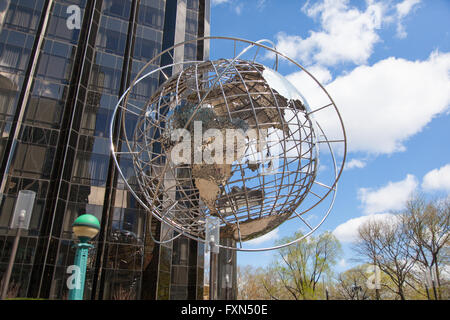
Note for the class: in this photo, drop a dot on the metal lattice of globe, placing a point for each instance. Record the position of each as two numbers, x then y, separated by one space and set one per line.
230 138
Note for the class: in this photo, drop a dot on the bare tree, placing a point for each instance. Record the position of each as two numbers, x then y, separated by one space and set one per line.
258 283
385 244
249 288
426 225
351 284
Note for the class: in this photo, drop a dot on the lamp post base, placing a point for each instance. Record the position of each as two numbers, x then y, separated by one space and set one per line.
12 258
76 286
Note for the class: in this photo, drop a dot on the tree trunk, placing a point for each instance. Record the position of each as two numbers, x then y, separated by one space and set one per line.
401 293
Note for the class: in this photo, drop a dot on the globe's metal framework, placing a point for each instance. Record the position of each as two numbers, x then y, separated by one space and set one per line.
251 194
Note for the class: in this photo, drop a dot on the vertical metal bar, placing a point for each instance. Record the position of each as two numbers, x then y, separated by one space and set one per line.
180 34
201 30
10 265
213 272
226 270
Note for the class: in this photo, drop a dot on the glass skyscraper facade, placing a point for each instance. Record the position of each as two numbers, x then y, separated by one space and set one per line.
63 67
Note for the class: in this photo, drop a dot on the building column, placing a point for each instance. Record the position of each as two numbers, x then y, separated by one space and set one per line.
227 274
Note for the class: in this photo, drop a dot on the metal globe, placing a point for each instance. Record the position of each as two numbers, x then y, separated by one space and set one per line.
230 138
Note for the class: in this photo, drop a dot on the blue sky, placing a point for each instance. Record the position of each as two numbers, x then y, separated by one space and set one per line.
386 64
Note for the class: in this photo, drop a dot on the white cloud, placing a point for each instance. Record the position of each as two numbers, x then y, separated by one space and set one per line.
216 2
382 105
437 179
348 231
347 34
342 263
238 8
309 88
403 9
391 197
261 4
385 104
319 72
237 5
355 163
272 235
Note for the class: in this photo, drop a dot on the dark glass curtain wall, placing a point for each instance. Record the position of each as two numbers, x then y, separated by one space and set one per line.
58 88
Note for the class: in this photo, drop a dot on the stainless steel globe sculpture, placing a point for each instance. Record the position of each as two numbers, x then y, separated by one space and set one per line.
230 138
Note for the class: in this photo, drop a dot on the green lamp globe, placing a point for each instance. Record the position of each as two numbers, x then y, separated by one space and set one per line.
86 227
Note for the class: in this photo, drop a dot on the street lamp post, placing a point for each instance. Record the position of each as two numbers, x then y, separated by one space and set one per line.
85 228
21 220
212 237
356 289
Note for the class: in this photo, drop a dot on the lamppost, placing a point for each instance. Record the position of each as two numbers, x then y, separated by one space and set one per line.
356 289
212 237
85 228
21 220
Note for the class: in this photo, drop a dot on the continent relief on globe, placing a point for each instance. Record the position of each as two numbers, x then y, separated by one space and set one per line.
241 99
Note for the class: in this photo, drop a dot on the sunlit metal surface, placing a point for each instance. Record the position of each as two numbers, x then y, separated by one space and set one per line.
275 176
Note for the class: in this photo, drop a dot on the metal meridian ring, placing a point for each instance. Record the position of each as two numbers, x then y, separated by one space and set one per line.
123 106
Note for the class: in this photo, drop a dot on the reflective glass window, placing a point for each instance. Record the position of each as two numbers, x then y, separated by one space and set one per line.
112 35
192 4
191 22
116 8
33 161
23 15
151 16
90 168
57 25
